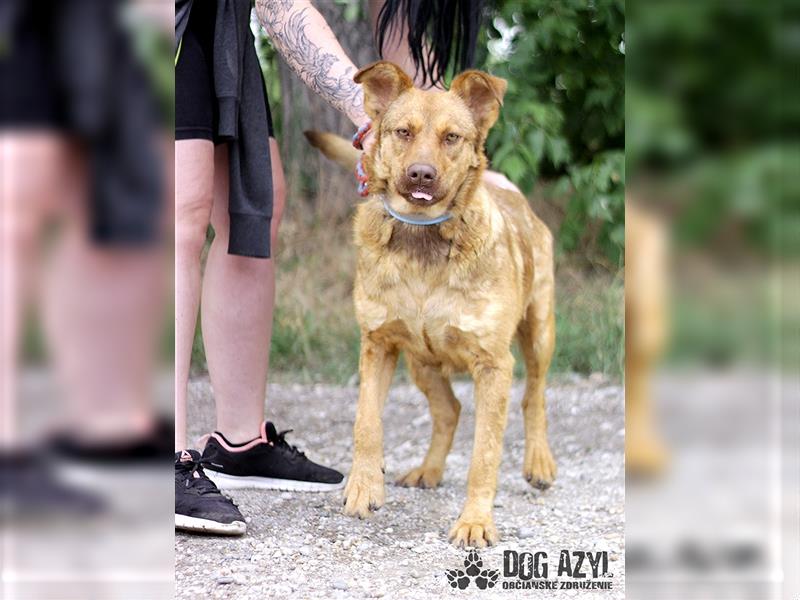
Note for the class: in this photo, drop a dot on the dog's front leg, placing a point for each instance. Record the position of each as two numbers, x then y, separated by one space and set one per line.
365 491
475 526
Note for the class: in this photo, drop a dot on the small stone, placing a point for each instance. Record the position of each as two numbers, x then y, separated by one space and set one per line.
524 533
340 584
224 580
286 496
389 530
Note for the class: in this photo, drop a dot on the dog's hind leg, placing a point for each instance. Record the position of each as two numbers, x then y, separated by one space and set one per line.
536 335
445 409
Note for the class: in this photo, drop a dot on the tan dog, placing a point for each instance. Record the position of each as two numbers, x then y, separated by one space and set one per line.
451 295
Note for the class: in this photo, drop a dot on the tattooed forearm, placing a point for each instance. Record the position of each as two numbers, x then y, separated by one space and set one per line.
305 41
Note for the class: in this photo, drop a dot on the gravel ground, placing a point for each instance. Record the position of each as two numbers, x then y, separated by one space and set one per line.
302 546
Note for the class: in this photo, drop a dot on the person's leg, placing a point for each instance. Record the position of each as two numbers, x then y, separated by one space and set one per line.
199 506
103 310
31 170
194 196
238 301
237 307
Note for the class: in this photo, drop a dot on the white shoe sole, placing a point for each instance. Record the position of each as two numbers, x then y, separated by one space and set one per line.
186 523
253 482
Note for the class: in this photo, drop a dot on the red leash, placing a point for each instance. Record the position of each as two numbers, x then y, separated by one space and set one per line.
361 172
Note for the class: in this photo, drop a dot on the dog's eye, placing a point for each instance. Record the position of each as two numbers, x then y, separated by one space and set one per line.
403 133
452 138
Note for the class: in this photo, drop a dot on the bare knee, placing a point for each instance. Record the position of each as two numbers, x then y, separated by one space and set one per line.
192 215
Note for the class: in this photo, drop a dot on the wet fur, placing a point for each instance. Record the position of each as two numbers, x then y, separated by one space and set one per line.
452 297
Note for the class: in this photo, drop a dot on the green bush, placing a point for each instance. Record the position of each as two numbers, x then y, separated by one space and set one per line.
563 115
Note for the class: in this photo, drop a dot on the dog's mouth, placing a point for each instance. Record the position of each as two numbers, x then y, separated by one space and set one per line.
421 197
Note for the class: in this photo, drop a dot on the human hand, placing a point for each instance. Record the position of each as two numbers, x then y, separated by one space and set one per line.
368 141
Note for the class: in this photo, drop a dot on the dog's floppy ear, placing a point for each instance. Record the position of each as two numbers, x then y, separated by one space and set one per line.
383 82
483 94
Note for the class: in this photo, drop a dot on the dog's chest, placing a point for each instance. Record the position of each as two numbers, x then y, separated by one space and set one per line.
427 318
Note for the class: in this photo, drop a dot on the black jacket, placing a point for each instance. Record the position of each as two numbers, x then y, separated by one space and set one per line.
243 123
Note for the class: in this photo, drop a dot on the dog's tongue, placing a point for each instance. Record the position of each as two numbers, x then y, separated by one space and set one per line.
421 196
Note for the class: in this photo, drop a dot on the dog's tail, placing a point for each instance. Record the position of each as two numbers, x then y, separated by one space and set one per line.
334 147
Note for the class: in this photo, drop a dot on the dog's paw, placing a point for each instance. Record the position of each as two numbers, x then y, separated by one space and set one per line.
457 579
421 477
364 493
539 468
477 532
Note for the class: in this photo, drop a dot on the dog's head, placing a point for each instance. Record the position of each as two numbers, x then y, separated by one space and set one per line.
428 142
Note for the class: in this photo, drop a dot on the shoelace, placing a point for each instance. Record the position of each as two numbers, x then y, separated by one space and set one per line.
281 441
201 482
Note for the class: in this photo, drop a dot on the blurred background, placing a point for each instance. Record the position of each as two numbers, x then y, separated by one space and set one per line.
712 313
560 137
85 299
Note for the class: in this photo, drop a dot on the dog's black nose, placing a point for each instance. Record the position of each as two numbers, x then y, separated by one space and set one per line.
421 174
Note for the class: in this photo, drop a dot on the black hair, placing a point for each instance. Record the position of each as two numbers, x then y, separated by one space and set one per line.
448 27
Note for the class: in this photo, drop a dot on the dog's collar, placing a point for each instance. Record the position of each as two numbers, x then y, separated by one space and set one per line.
411 220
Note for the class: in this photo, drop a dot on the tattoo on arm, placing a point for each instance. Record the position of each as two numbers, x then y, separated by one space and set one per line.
321 70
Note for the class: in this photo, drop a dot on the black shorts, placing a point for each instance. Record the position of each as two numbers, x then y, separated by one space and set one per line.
31 95
196 112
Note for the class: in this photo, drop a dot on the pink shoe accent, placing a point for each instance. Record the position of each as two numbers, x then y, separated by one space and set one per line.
185 456
262 439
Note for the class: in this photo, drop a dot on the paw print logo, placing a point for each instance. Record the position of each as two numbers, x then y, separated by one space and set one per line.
457 578
473 563
473 571
487 578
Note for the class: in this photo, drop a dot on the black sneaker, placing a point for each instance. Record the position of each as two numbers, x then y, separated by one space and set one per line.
154 448
31 488
199 505
267 462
